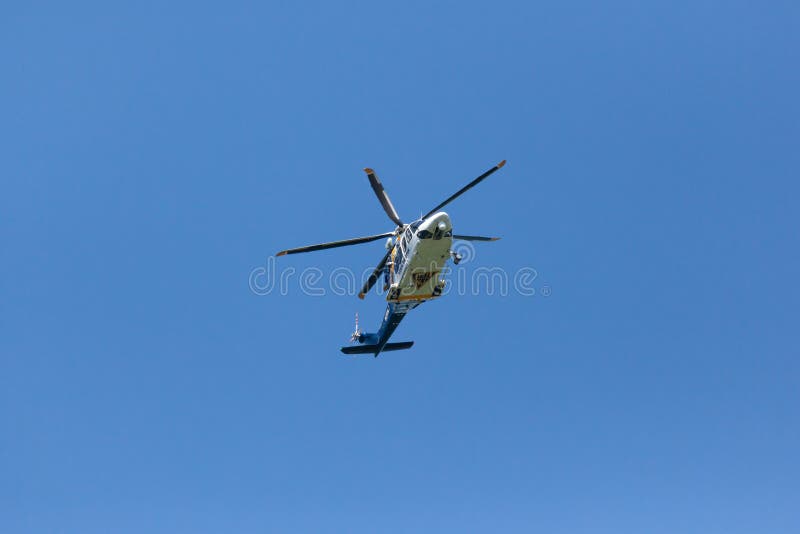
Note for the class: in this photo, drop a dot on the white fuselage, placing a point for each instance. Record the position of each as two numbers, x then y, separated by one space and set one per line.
419 255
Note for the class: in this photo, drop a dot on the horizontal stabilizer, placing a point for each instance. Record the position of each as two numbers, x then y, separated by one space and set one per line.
371 349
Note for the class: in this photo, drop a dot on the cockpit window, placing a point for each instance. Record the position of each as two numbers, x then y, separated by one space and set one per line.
424 234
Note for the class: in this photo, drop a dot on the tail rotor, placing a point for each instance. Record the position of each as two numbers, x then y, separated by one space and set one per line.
355 337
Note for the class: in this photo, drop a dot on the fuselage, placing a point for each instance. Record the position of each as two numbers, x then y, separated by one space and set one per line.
419 254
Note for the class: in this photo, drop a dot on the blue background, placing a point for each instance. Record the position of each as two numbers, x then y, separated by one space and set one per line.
152 156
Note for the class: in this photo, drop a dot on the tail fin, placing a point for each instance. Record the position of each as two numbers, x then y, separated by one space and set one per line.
373 349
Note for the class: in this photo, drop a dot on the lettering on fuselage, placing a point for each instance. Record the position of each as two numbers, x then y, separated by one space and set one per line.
420 279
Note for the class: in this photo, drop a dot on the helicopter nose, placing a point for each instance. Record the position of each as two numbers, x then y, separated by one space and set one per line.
436 226
440 221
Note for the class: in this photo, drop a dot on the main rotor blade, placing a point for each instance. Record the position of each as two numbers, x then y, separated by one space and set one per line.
375 274
464 189
474 238
334 244
380 192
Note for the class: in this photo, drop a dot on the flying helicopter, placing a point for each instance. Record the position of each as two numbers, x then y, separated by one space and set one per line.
416 254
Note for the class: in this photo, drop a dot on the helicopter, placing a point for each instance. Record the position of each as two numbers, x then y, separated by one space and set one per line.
416 254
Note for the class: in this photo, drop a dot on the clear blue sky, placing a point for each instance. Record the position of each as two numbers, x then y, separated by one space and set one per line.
151 156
